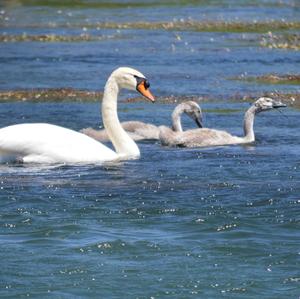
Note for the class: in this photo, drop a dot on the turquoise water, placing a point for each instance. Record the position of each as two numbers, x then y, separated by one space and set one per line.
177 223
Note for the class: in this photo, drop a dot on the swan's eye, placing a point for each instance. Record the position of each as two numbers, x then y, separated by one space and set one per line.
146 84
140 80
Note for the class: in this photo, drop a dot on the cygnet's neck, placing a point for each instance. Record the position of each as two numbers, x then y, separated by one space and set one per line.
176 119
248 124
123 144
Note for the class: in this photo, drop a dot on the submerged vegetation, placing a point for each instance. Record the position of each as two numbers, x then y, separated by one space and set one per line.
283 41
272 79
118 4
53 38
51 94
204 26
193 25
76 95
104 4
187 24
68 27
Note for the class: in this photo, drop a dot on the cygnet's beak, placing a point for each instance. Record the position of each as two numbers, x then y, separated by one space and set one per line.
198 121
143 89
278 104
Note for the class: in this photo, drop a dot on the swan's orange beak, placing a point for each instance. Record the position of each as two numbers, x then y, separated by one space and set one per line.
141 88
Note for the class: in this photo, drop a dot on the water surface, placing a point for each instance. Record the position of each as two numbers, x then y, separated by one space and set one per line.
177 223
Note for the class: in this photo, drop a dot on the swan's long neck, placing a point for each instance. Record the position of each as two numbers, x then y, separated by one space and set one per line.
176 119
123 144
248 124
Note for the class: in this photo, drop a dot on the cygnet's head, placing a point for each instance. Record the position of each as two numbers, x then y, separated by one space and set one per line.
265 104
132 79
193 110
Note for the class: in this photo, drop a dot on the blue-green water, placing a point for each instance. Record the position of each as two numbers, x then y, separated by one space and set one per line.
177 223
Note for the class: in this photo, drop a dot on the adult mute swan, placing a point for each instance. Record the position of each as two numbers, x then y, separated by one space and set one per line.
211 137
46 143
138 130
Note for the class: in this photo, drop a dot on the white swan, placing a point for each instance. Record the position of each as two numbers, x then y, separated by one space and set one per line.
46 143
138 130
211 137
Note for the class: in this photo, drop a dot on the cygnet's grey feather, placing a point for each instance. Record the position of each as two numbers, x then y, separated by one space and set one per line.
138 130
210 137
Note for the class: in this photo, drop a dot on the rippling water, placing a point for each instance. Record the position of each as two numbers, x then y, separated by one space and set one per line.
177 223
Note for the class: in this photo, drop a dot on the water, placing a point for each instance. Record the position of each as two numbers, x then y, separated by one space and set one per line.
177 223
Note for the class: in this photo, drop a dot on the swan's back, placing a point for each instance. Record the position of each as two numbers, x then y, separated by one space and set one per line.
207 137
167 136
137 130
99 135
197 137
145 130
46 143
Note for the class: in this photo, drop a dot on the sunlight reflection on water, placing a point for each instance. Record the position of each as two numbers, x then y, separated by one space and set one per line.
179 223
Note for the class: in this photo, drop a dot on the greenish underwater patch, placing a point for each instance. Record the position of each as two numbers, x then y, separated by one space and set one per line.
284 41
75 95
272 79
119 4
222 111
80 4
51 94
54 38
202 26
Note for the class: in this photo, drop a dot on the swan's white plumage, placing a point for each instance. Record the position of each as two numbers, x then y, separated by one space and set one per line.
46 143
